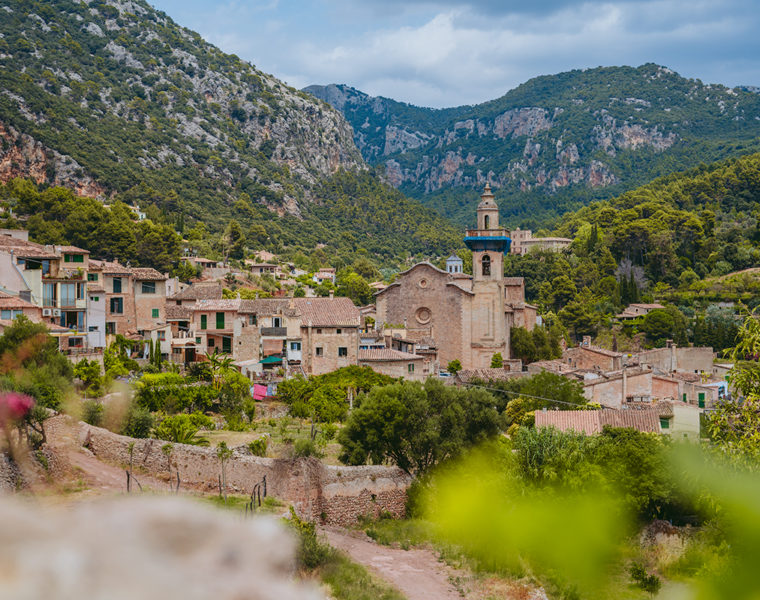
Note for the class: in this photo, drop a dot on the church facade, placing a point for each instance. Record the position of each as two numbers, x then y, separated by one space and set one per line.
466 317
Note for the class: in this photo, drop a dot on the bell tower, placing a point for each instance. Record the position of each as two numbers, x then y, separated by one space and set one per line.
488 321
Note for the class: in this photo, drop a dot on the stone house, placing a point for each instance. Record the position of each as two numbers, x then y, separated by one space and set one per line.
13 306
202 290
636 310
394 363
329 333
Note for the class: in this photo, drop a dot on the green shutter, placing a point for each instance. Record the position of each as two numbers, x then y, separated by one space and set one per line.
684 396
154 313
701 399
664 423
226 344
204 321
220 320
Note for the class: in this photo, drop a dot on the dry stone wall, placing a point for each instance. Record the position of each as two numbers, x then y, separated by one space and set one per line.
334 495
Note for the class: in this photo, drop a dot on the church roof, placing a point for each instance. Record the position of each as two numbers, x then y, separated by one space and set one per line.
486 198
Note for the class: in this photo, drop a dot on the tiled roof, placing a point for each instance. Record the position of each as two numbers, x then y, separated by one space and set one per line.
178 313
267 306
95 288
220 305
8 301
200 291
147 274
386 355
468 375
602 351
24 249
327 312
71 250
114 268
591 422
580 421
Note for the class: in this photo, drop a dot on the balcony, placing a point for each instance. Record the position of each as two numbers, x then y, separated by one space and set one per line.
480 233
274 332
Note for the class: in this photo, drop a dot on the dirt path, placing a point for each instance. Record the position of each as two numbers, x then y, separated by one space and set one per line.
416 573
104 477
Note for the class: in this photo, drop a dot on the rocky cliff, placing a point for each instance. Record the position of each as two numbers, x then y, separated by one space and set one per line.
101 94
574 136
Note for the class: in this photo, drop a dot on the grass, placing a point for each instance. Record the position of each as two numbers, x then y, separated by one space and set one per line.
237 502
281 432
350 581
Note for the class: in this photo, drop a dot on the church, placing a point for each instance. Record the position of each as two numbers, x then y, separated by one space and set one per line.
467 317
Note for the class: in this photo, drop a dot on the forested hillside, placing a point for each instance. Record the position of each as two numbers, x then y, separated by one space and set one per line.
680 240
106 94
554 143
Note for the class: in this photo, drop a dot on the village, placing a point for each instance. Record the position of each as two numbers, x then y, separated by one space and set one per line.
418 325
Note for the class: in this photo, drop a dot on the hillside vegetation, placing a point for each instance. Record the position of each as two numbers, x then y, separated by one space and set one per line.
554 143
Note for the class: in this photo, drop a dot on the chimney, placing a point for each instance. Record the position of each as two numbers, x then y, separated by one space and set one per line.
332 294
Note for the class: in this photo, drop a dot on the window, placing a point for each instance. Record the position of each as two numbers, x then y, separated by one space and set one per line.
210 342
252 319
161 335
319 331
10 314
197 340
486 266
95 298
73 258
318 351
117 285
487 222
154 313
49 297
410 368
76 342
701 399
117 306
220 320
342 351
204 321
148 287
110 328
338 331
295 346
68 294
80 291
276 321
227 344
664 423
92 276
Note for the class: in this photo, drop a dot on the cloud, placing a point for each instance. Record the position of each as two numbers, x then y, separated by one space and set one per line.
452 52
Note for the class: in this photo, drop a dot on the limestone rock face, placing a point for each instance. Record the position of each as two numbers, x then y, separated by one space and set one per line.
146 548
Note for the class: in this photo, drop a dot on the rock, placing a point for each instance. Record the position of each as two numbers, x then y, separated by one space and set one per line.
147 548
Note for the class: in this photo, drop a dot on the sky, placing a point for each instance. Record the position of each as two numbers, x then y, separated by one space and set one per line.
442 53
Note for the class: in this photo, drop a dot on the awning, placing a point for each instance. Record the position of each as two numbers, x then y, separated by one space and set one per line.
271 360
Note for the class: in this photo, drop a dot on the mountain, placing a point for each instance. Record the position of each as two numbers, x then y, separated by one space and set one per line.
100 95
112 99
553 143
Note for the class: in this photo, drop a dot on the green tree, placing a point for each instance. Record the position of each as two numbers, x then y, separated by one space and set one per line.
454 366
497 362
417 426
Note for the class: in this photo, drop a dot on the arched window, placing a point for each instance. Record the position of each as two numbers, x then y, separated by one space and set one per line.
485 263
487 222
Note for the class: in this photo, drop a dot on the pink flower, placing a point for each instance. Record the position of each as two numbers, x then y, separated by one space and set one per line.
15 405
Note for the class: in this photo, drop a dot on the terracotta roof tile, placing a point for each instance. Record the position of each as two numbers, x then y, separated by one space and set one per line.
8 301
327 312
147 274
386 355
178 313
468 375
200 291
591 422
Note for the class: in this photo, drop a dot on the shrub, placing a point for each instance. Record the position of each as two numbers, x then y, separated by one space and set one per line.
306 447
92 412
138 422
311 553
649 583
258 447
179 429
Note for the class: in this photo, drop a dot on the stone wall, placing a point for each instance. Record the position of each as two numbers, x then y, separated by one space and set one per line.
336 495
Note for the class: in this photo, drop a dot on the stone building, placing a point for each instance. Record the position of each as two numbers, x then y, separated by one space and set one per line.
468 316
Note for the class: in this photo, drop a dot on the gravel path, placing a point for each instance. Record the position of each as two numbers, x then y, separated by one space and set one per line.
416 573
